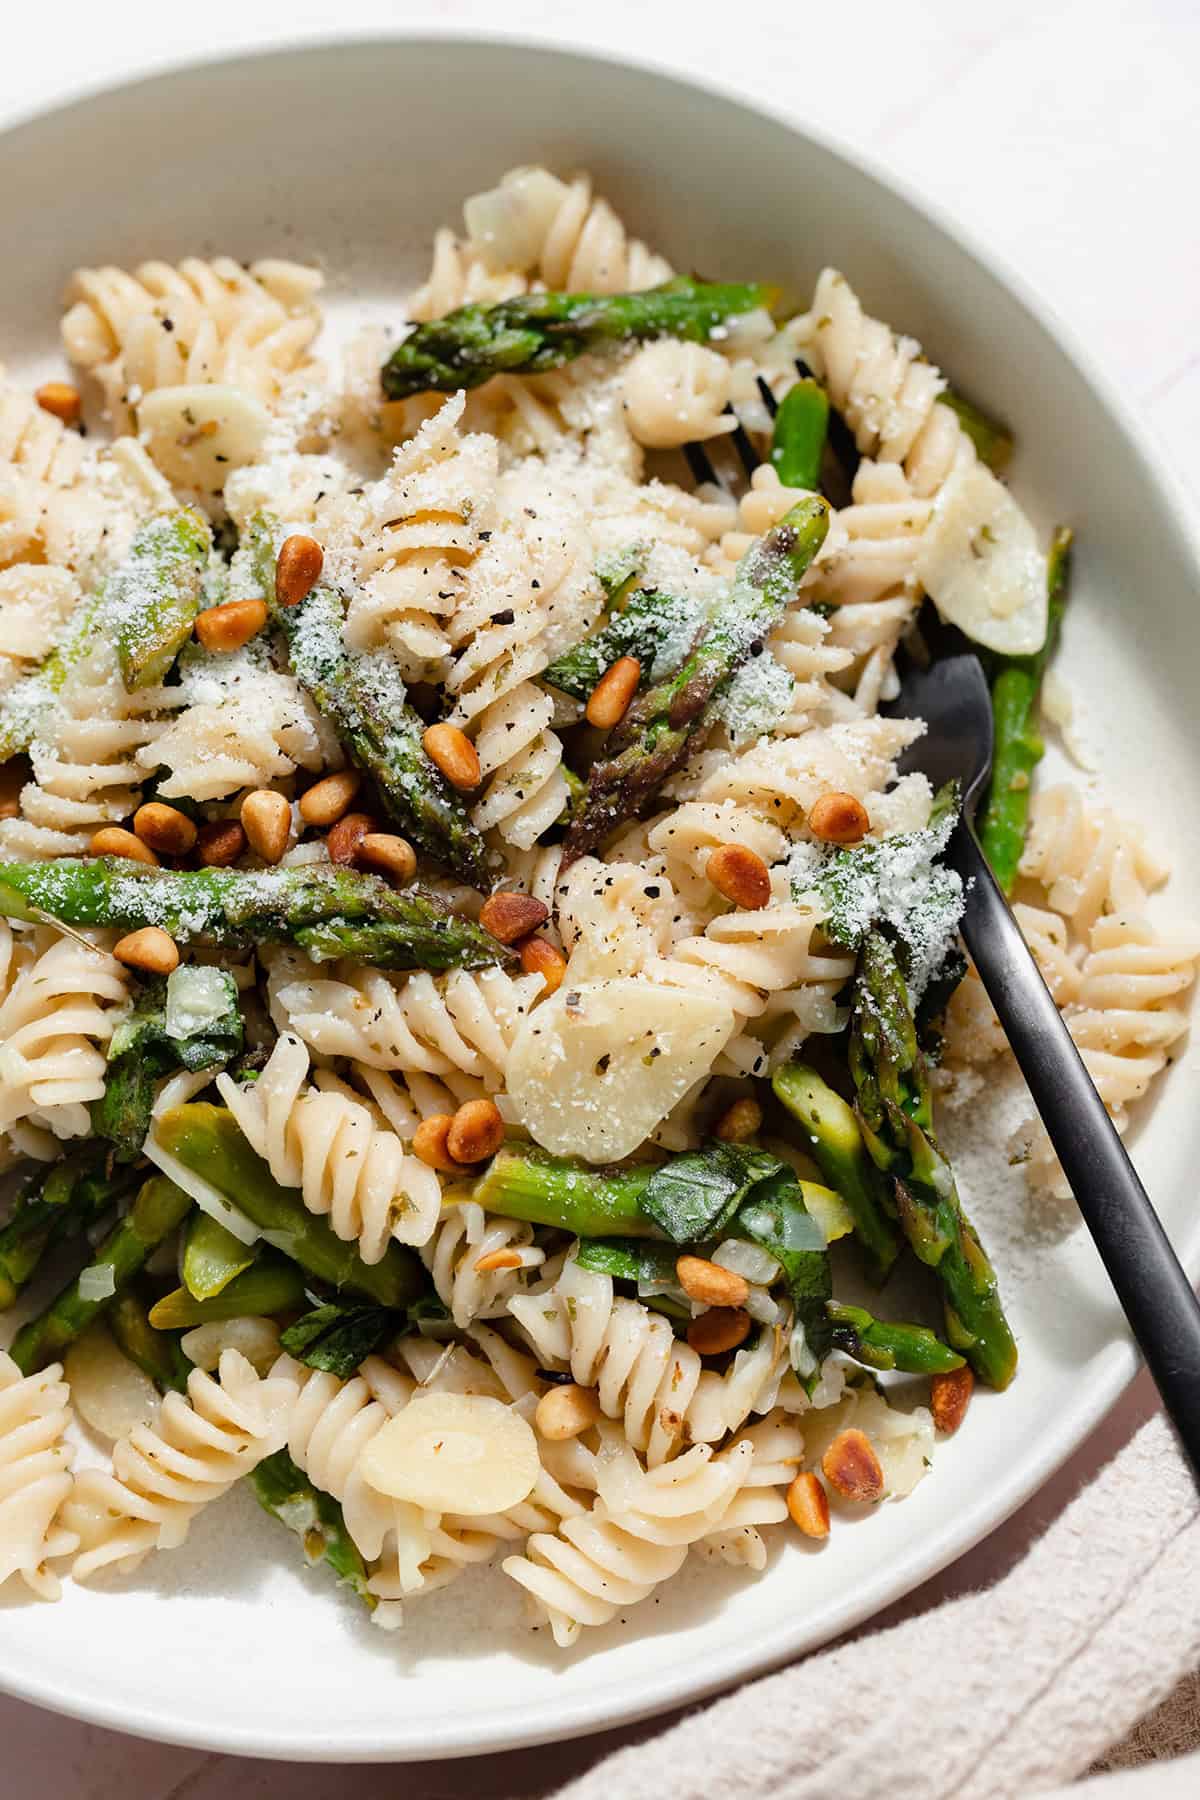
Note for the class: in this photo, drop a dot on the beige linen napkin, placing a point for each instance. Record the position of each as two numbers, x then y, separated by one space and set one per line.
1007 1692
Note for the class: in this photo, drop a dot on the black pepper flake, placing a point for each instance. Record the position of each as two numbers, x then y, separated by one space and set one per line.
507 617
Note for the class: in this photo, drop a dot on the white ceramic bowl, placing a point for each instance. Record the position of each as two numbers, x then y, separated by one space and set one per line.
351 156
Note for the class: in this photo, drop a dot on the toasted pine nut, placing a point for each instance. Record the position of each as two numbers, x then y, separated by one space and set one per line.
454 754
509 916
13 777
709 1283
565 1411
740 874
949 1398
496 1260
539 957
476 1131
429 1143
267 822
349 832
739 1124
808 1504
720 1328
388 854
851 1466
164 828
327 800
839 819
297 569
150 949
609 699
220 843
114 840
230 625
61 399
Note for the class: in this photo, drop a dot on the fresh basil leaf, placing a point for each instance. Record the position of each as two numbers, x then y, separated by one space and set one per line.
775 1218
337 1337
628 1259
694 1196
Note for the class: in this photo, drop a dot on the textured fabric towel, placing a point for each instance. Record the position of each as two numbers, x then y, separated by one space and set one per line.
1004 1693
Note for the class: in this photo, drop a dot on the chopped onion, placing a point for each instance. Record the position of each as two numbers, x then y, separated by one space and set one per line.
750 1260
97 1284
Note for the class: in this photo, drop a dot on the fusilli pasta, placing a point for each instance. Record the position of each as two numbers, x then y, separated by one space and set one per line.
35 1475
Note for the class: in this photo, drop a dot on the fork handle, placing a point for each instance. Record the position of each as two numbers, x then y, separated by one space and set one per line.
1149 1280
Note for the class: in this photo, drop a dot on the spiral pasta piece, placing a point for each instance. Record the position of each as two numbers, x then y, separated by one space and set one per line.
676 393
348 1166
1089 860
56 1018
35 1475
36 599
162 1474
421 529
165 326
653 1382
635 1536
778 1449
466 1237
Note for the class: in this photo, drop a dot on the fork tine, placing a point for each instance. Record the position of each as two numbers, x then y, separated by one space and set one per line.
699 463
750 458
767 394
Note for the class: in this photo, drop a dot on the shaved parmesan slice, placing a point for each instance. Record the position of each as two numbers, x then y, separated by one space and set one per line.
596 1067
458 1453
110 1393
197 434
980 564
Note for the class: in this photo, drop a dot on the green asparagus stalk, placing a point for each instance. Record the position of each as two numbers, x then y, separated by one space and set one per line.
647 620
536 332
162 564
154 596
212 1257
896 1115
148 1044
993 443
885 1344
160 1206
270 1285
523 1181
798 439
205 1139
316 1519
326 910
832 1136
51 1206
156 1353
363 697
1017 745
662 724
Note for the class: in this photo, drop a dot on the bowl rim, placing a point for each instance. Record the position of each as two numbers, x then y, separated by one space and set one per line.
1119 1361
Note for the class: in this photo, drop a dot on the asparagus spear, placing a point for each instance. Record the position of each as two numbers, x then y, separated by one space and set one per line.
536 332
639 630
362 695
885 1344
993 443
154 596
156 1353
52 1205
326 910
1017 744
896 1115
831 1134
271 1284
523 1181
798 438
661 725
316 1518
160 1206
205 1139
212 1257
148 1044
279 1486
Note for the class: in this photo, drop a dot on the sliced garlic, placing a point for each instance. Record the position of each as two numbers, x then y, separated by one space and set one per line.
459 1453
197 434
980 564
596 1067
257 1339
110 1393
